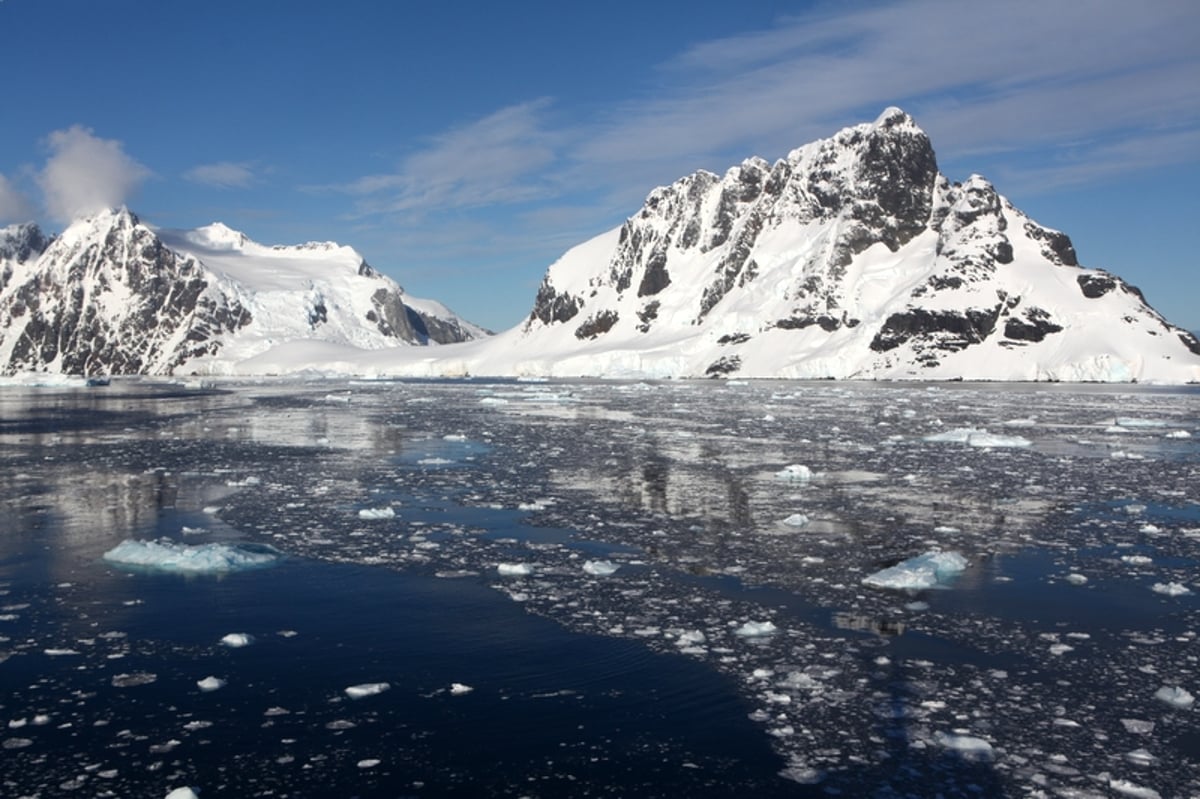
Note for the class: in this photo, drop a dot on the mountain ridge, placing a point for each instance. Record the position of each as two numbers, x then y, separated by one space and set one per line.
111 295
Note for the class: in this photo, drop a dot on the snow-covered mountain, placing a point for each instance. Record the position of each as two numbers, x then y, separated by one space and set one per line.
111 295
853 257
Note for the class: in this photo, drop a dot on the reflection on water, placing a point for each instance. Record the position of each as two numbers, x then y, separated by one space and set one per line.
735 638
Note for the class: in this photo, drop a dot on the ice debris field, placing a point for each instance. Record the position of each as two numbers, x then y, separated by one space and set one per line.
913 590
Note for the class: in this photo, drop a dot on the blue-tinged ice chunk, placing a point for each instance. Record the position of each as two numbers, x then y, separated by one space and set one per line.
931 570
168 556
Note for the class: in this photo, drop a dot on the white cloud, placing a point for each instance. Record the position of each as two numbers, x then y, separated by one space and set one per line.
223 175
14 205
86 174
1018 74
499 159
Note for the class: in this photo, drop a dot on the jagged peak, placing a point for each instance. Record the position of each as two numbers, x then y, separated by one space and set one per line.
893 117
22 241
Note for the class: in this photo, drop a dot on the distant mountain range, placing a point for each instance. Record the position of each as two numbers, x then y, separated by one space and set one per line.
851 258
114 296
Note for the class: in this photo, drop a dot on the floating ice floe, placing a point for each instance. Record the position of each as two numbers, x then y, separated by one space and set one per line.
796 520
182 793
977 437
600 568
931 570
210 684
235 640
795 473
377 513
458 689
1171 589
1076 579
1179 434
168 556
968 747
367 689
514 569
1127 788
1175 696
133 680
756 629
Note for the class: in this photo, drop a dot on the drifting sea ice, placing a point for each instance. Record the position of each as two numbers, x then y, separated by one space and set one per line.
377 513
1171 589
600 568
166 555
976 437
796 473
210 684
367 689
459 689
1175 696
236 640
514 569
931 570
756 629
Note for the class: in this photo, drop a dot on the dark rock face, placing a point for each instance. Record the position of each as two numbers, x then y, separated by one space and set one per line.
596 324
1096 286
1035 326
21 243
118 302
950 330
392 315
551 307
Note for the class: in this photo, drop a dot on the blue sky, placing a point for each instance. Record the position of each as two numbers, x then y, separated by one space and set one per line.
463 146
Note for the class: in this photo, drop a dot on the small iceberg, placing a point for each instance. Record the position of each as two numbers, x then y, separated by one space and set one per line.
237 640
209 684
600 568
756 629
795 473
931 570
168 556
1175 696
367 689
514 569
377 513
459 689
976 437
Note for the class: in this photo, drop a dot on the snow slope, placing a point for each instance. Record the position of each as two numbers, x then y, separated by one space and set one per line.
113 295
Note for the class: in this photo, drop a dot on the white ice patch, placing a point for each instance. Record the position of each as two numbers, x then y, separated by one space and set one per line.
1127 788
796 520
168 556
367 689
236 640
968 747
756 629
182 793
377 513
458 689
1171 589
976 437
1175 696
931 570
600 568
209 684
795 473
514 569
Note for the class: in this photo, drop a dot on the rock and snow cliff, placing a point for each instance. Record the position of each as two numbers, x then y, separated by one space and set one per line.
851 258
114 296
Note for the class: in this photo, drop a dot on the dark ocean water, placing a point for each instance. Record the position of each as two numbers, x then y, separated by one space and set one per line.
1035 670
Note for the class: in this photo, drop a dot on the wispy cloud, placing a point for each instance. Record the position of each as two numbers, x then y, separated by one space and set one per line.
1047 94
1033 73
223 175
85 174
14 205
497 160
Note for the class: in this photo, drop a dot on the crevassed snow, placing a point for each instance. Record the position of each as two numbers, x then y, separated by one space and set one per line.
930 570
166 555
